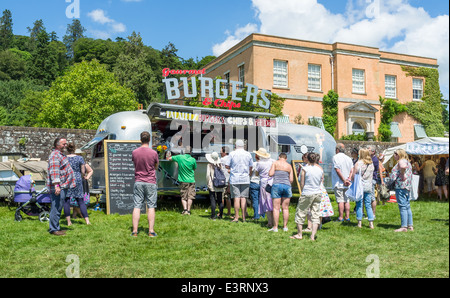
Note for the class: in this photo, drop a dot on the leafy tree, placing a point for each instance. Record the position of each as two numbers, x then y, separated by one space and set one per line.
12 65
83 97
6 32
105 51
38 27
44 65
134 72
169 57
74 32
12 94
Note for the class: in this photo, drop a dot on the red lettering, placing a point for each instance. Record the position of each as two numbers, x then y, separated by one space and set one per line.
207 101
168 71
165 72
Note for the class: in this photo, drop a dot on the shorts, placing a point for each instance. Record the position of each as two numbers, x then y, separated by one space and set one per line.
239 190
281 191
143 191
187 191
340 195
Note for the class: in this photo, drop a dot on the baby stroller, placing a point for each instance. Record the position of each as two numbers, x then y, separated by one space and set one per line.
30 202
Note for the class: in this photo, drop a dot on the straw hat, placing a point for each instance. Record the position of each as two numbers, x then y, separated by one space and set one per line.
262 152
78 151
213 158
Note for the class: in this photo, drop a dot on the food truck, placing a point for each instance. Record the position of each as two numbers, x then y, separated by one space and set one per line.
174 127
204 115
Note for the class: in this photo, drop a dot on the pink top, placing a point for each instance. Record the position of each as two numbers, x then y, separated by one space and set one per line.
145 160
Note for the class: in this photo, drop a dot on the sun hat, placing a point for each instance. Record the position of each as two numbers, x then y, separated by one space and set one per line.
213 158
78 151
262 152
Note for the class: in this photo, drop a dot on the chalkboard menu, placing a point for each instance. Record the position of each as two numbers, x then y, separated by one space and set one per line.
119 176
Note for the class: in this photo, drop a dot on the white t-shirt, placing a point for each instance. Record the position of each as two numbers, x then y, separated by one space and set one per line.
344 163
313 179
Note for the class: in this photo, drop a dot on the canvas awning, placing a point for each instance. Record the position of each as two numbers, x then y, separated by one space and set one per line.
428 146
395 130
425 146
419 131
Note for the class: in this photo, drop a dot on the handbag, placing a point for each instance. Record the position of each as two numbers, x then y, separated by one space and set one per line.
384 193
268 188
391 184
355 192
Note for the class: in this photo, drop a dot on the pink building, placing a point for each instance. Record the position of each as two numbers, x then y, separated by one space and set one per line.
304 71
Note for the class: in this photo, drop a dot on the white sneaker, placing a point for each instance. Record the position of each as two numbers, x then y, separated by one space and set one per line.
285 229
272 230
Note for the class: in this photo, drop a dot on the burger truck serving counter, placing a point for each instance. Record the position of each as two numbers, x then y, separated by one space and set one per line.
174 127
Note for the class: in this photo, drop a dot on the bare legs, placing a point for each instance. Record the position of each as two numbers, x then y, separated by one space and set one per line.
239 203
284 204
151 219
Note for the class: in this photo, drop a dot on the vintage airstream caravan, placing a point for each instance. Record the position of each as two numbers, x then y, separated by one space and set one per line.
206 130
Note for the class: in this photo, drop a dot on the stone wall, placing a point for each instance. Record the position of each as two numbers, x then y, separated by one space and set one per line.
379 146
39 140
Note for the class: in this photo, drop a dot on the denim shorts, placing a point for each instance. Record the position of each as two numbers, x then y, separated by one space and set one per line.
145 191
281 191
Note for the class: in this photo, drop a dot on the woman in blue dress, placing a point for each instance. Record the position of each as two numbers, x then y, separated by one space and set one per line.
78 166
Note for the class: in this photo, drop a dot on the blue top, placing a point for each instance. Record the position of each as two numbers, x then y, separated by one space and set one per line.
76 162
239 162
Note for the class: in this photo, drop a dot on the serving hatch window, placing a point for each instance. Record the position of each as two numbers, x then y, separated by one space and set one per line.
282 143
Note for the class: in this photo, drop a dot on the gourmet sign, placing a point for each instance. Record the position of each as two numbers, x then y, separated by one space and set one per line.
214 89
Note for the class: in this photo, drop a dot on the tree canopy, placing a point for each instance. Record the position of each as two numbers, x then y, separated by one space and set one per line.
75 81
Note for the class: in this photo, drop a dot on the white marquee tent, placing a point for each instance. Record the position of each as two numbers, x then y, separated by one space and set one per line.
425 146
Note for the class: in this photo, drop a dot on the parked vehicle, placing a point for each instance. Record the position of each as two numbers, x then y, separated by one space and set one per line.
206 130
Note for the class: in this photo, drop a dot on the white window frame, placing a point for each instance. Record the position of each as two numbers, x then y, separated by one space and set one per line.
417 89
241 74
315 77
280 73
390 86
358 81
226 76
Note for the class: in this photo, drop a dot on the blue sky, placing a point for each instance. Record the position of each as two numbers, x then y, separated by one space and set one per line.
208 27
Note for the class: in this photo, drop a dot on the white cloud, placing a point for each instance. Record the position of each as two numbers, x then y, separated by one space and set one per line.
392 25
232 40
111 26
99 16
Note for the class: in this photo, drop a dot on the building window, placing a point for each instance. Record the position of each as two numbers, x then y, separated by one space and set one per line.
241 70
314 77
358 129
280 74
227 78
358 81
417 89
390 87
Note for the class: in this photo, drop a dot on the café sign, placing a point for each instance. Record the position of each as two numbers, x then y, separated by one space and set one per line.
207 85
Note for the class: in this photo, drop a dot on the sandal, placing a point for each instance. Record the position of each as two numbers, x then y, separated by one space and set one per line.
297 237
134 234
152 234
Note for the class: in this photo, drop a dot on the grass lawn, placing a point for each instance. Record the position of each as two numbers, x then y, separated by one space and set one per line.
196 247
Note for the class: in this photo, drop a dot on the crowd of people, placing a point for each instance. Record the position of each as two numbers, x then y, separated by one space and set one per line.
263 183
